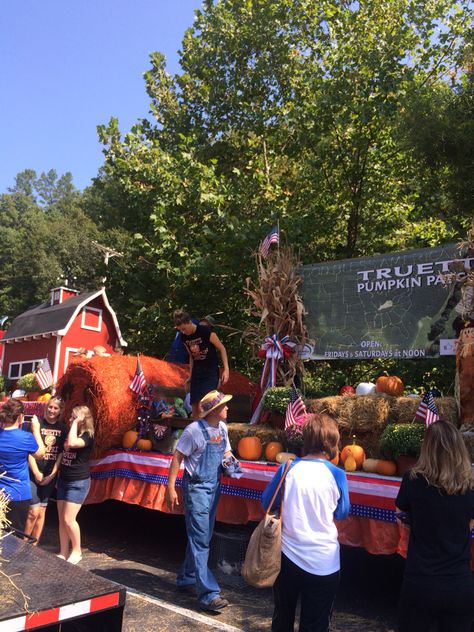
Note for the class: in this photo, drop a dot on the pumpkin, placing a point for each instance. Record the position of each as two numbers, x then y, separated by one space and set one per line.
44 398
347 390
386 468
350 464
283 457
390 385
370 465
129 438
365 388
144 444
250 448
357 452
272 449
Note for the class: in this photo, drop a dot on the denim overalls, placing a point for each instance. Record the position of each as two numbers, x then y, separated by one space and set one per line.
200 495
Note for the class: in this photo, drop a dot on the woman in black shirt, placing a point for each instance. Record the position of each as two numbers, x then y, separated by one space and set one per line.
74 482
438 496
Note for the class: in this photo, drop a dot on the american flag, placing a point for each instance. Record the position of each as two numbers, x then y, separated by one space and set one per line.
137 385
295 408
427 410
273 237
44 375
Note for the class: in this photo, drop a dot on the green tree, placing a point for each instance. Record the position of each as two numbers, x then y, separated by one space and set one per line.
284 108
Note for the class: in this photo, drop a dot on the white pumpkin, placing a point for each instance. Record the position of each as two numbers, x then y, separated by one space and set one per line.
365 388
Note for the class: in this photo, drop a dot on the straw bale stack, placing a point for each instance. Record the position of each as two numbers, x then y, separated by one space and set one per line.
403 409
354 415
366 416
263 432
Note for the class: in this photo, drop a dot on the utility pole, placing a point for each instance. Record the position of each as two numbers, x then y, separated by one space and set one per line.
108 253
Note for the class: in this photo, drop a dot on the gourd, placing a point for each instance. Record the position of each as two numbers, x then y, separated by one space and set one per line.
144 444
129 438
283 457
370 465
386 468
357 452
350 464
250 448
44 398
365 388
347 390
390 385
272 449
334 460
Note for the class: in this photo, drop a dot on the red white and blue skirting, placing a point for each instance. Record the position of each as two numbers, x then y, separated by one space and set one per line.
371 497
140 478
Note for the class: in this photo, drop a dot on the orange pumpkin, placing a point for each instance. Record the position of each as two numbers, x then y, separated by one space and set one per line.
386 468
272 449
250 448
390 385
145 445
357 452
129 438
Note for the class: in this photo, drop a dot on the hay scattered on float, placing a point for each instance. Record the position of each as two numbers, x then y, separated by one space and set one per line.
4 522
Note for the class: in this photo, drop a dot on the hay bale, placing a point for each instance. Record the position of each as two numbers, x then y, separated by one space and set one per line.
263 432
403 409
359 414
103 385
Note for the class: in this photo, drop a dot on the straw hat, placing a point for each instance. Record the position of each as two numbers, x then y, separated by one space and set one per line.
211 401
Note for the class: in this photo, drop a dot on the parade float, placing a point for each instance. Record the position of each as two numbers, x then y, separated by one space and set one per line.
377 420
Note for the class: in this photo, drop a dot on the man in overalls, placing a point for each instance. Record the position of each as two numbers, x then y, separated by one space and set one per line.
203 445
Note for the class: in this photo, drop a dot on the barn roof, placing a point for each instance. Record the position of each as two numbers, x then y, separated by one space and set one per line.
56 319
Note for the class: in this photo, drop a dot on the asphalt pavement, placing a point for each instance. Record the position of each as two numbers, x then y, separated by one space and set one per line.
142 549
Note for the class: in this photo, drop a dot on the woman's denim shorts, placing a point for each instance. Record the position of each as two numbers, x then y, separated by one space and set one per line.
73 491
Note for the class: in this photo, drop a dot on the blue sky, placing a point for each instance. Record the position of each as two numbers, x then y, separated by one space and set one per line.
67 66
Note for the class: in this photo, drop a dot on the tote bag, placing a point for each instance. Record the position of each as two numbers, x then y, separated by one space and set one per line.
263 557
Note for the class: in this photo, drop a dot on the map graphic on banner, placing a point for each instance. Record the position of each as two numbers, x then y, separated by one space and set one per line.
387 306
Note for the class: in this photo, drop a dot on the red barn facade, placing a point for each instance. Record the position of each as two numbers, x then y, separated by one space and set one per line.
57 329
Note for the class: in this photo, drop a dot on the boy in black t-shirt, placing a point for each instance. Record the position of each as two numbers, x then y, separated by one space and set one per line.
202 345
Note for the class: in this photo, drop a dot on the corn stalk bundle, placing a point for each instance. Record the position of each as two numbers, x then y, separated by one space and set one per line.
278 306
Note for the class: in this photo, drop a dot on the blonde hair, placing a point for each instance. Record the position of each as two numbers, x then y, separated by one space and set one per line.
61 404
87 424
444 460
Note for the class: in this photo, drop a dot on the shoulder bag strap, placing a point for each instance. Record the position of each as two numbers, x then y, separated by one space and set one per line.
278 487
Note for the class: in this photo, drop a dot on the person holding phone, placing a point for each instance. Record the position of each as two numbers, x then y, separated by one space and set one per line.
15 447
43 471
74 482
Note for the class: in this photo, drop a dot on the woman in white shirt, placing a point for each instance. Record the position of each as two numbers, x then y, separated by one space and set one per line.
315 492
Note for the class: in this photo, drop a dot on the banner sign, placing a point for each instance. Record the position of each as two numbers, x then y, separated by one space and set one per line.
388 306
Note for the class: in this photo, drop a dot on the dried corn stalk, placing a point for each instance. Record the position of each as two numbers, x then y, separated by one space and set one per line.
278 306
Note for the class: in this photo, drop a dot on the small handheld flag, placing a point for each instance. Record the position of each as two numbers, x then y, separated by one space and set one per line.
44 375
427 411
273 237
138 384
295 408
